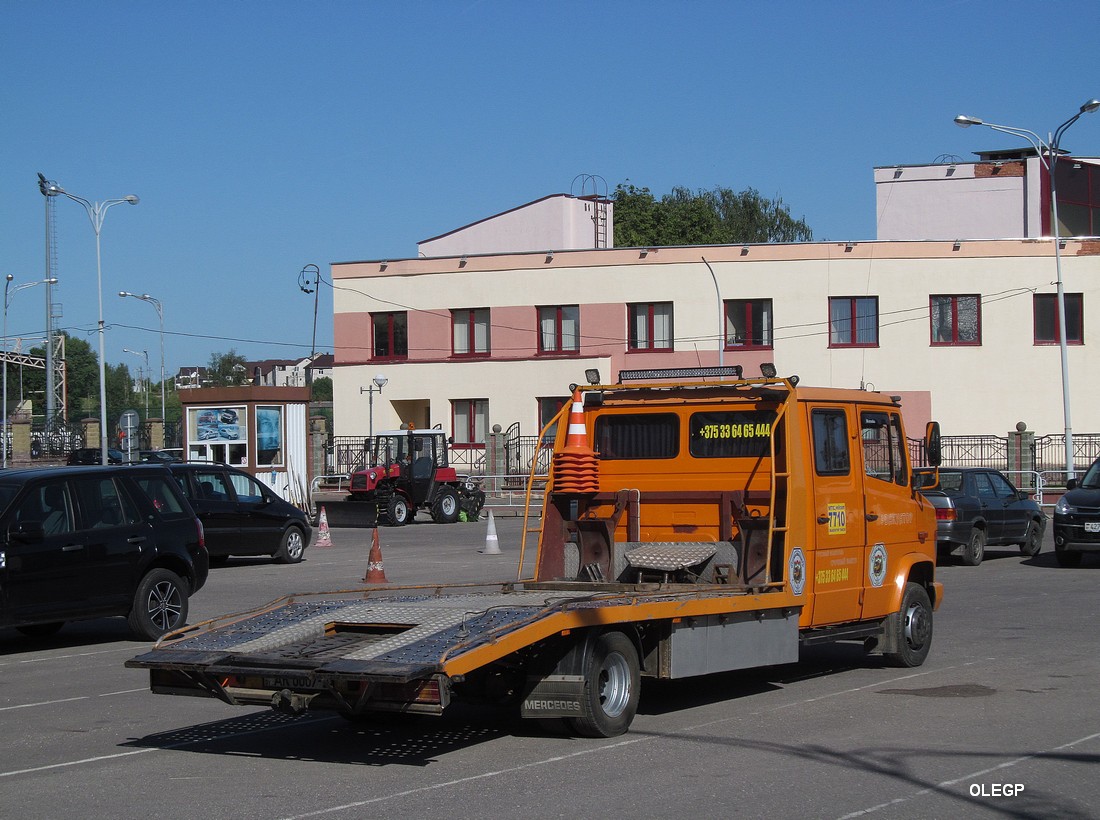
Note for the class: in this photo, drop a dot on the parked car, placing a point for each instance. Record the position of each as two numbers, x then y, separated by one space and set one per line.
241 515
978 507
88 542
157 457
91 455
1077 519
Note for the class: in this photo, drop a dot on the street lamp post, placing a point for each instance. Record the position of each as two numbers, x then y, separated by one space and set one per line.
309 281
9 294
1048 156
97 212
144 384
380 381
145 297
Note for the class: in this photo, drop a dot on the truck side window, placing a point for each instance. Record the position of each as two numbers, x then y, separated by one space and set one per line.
883 451
644 435
831 455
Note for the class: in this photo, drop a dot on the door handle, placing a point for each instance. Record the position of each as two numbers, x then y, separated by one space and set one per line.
871 516
136 539
823 519
72 547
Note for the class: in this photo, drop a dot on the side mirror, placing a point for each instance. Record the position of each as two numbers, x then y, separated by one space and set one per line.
27 531
932 449
1071 484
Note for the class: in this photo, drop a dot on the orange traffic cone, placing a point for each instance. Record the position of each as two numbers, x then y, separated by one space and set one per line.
575 466
375 573
324 537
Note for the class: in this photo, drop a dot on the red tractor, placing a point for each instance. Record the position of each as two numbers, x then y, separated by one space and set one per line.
410 472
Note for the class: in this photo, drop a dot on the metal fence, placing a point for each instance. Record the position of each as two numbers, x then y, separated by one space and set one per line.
348 454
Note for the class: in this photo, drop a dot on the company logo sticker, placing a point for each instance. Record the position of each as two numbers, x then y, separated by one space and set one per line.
838 519
877 569
796 569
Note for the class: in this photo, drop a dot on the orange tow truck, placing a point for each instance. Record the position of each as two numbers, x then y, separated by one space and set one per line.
694 521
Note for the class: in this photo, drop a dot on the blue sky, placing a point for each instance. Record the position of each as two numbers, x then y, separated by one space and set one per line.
265 136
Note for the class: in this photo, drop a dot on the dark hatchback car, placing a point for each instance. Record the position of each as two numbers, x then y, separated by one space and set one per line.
91 455
976 507
242 516
1077 519
88 542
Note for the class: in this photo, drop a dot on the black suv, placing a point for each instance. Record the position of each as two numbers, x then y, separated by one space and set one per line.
240 515
91 455
1077 519
88 542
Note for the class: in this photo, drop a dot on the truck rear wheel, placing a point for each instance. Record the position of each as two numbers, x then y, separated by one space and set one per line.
611 687
445 506
914 628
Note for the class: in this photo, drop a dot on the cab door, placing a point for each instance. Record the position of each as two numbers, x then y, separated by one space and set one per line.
835 566
890 508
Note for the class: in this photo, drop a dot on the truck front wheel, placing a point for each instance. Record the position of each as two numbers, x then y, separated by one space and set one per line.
914 628
611 687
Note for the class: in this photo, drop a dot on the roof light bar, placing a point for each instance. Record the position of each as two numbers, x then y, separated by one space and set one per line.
728 371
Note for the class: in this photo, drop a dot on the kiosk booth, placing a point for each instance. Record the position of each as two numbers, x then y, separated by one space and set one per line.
260 430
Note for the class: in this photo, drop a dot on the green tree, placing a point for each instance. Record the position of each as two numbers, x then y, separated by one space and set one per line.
322 389
227 369
81 379
717 217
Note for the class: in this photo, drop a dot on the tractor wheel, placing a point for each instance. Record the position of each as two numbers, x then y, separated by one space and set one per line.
398 511
445 506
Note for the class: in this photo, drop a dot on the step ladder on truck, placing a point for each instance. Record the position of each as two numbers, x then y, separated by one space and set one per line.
694 521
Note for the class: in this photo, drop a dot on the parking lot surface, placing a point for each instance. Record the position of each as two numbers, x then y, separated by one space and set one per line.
1001 721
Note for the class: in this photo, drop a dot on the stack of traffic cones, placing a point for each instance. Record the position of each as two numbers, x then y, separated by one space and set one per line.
575 467
375 573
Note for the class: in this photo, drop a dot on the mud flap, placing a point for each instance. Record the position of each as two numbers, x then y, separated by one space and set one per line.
553 696
888 640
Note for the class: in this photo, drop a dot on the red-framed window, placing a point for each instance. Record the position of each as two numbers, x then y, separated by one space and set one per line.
470 422
390 333
1046 319
853 321
955 320
748 323
559 329
1078 198
650 326
470 332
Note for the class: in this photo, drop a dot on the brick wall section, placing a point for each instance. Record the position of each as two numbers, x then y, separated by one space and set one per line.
1089 247
991 169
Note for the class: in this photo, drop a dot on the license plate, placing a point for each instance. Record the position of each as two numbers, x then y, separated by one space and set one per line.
1092 526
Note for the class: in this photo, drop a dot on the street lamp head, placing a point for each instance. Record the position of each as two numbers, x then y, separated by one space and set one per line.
133 200
1090 106
381 381
9 277
964 121
124 293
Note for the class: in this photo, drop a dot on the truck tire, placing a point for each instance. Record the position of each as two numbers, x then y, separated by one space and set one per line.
160 604
914 628
292 547
1033 540
974 551
397 510
611 687
445 506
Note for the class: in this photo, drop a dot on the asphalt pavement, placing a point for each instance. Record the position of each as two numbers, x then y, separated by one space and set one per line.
1001 721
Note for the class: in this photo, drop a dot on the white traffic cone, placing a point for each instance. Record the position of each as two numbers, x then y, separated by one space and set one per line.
492 545
324 537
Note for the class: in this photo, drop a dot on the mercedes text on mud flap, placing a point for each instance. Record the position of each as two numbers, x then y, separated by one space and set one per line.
693 522
410 471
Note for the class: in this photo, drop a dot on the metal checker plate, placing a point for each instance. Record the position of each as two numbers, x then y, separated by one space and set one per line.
669 556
